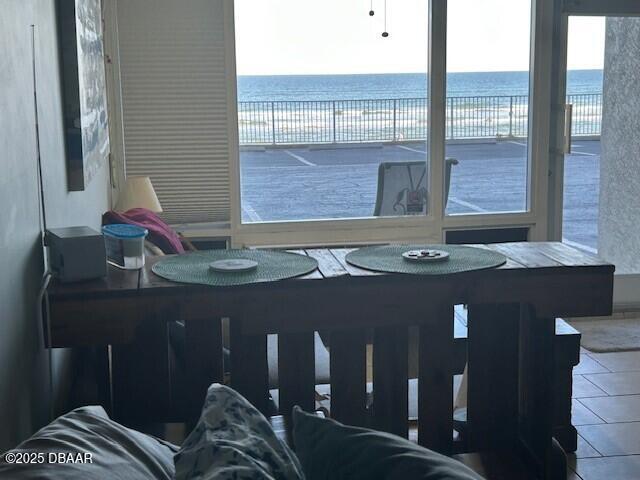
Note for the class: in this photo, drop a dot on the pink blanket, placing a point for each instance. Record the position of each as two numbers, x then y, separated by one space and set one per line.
160 234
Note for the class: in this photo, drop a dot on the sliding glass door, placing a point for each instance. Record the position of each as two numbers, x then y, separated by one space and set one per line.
600 178
487 105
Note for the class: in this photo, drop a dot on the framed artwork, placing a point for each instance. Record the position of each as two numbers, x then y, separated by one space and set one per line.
84 94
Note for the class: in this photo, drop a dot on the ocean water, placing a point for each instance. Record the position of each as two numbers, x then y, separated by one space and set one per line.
392 107
406 85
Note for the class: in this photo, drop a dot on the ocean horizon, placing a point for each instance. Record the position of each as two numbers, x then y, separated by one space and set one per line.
253 88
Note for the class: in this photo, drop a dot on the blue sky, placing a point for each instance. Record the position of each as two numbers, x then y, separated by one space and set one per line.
279 37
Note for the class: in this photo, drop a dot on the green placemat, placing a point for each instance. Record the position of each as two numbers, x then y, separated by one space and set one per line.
389 259
272 266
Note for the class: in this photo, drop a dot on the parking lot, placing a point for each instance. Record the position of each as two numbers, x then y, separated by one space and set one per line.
323 181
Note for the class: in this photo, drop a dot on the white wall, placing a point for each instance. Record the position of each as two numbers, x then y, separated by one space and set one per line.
619 217
23 360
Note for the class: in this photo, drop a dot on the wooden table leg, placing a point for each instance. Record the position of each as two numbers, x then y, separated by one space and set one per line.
390 380
203 351
296 371
249 367
492 383
348 376
435 381
140 370
536 399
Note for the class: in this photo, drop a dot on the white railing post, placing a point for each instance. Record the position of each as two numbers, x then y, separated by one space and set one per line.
451 119
333 105
395 135
511 116
273 122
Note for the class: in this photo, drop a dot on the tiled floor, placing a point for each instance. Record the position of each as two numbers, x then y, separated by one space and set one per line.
606 412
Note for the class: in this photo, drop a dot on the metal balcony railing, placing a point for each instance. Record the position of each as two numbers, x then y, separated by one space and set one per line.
399 119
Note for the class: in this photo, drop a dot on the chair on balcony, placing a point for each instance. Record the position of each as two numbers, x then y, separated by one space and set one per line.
403 188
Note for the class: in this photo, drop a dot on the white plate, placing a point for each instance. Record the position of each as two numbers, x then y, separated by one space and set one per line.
425 255
233 265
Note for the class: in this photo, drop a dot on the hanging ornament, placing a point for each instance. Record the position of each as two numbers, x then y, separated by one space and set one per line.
371 12
385 34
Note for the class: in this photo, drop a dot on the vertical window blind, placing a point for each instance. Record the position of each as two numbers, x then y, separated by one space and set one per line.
174 104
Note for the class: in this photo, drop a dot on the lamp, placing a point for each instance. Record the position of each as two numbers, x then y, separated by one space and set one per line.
138 192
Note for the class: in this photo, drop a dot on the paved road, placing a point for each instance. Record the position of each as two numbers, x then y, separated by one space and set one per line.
321 183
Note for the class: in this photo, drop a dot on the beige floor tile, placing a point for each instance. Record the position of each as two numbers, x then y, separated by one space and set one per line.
623 383
581 415
619 361
615 409
613 439
588 365
585 450
584 388
612 468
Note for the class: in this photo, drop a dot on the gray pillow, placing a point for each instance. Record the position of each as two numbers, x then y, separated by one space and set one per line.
116 452
330 450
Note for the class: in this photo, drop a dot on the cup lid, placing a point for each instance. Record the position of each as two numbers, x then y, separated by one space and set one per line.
123 230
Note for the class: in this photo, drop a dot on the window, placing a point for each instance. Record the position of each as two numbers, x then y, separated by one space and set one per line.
487 105
332 116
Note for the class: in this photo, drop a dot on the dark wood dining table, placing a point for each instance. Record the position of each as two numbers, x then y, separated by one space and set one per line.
511 326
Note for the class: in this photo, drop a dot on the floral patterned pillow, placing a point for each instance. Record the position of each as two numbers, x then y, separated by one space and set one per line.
233 440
